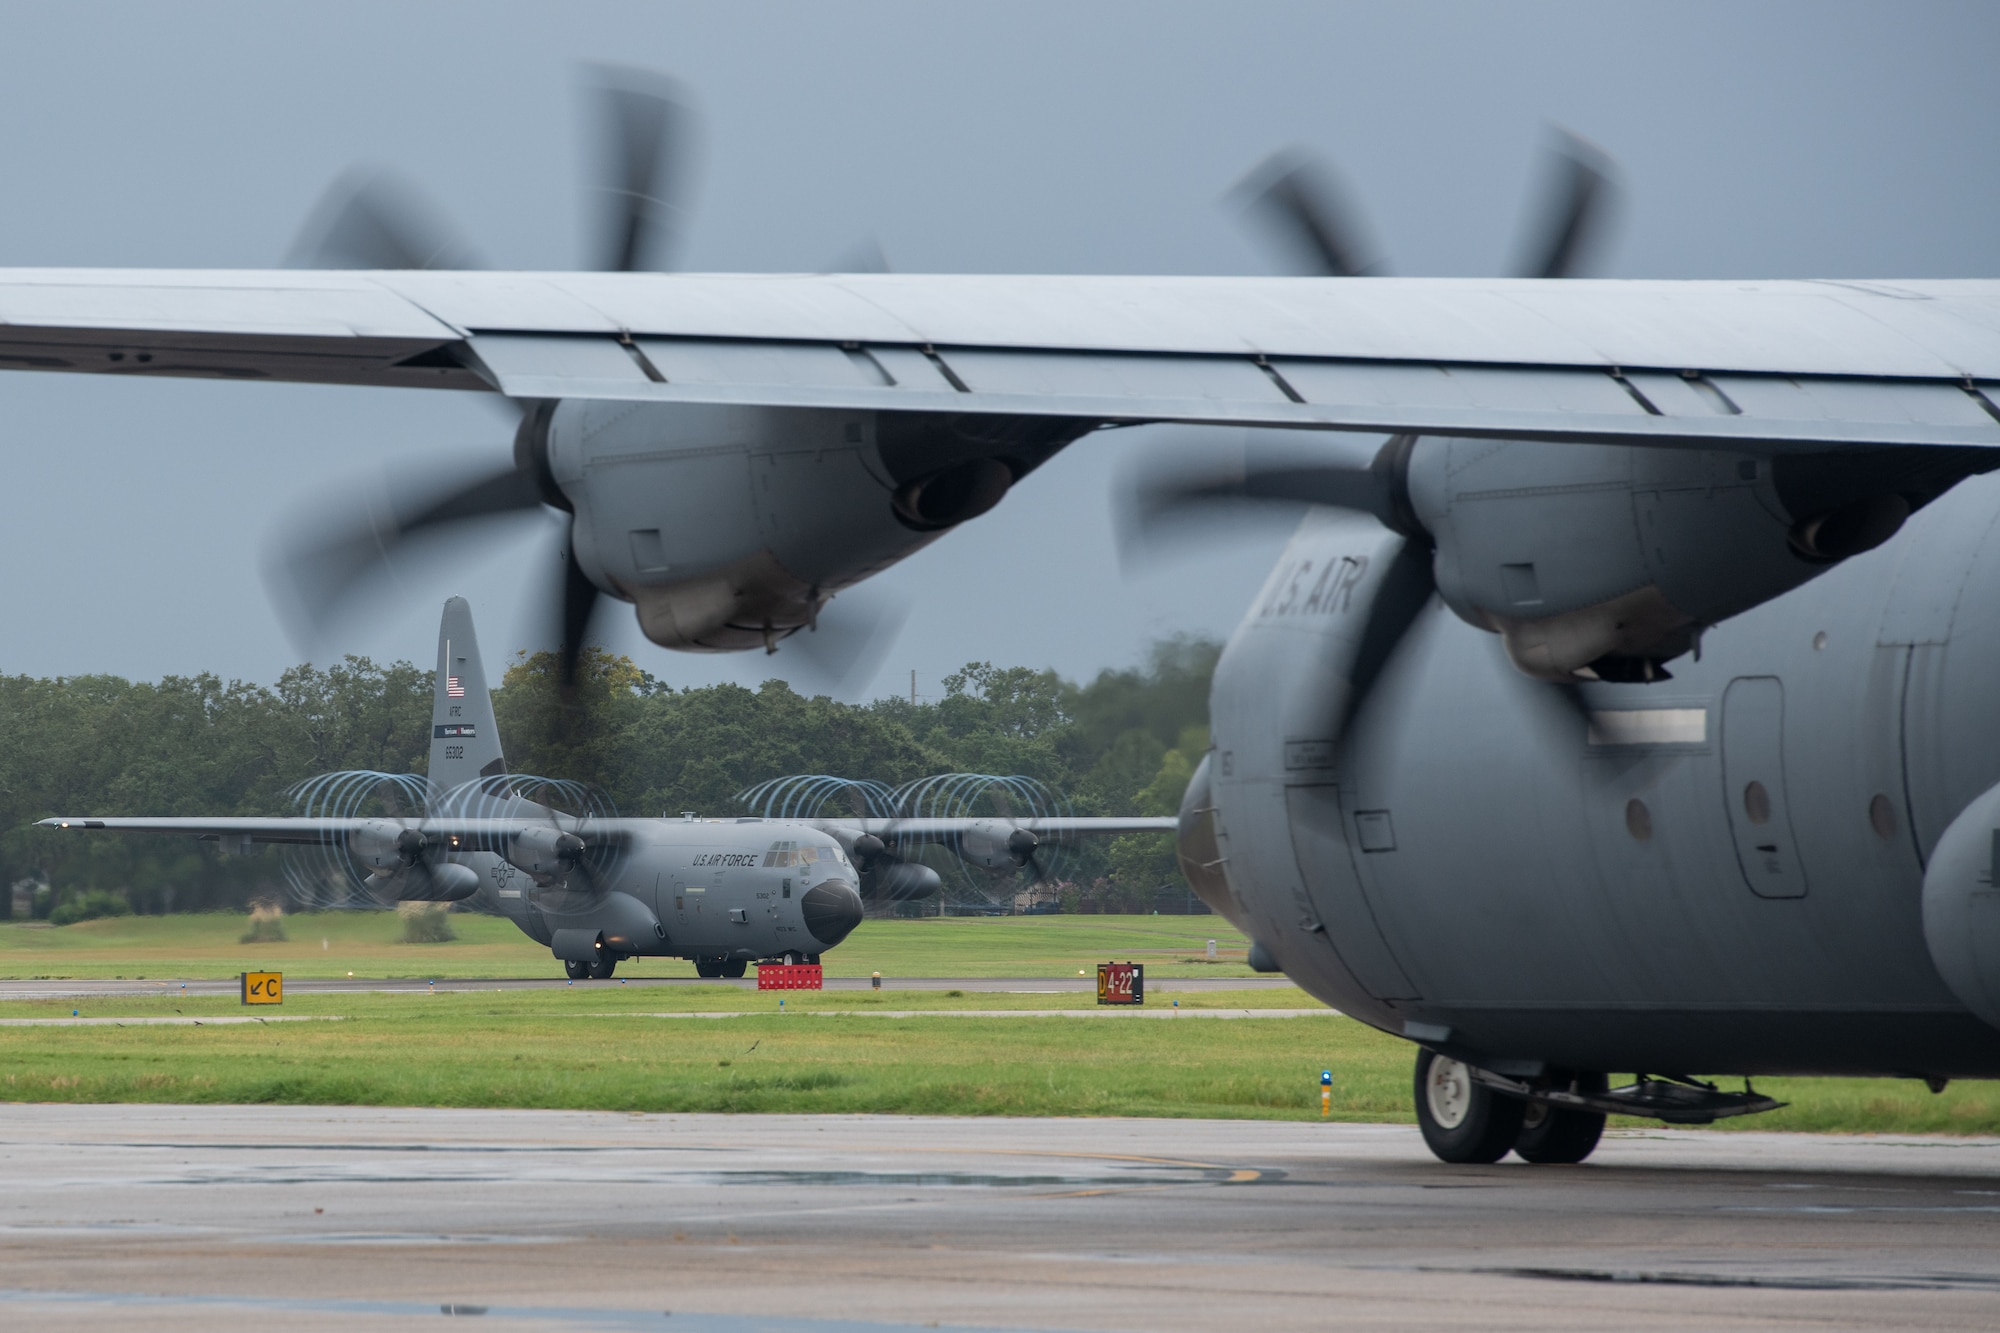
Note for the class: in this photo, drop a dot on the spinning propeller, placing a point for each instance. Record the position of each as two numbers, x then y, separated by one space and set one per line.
1307 204
645 137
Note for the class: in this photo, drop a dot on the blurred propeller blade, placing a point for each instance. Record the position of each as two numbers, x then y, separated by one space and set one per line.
864 256
648 133
1304 203
578 600
313 576
842 652
1576 209
1169 503
374 219
1400 598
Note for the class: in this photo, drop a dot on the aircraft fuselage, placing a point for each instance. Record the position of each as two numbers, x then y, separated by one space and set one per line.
1719 873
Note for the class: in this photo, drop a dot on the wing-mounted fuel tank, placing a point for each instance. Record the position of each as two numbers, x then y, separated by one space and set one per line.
730 526
1608 561
1267 835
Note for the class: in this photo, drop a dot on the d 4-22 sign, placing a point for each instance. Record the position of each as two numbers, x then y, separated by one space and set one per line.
263 988
1121 983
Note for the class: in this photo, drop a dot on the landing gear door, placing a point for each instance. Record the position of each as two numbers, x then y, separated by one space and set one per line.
1753 781
1332 897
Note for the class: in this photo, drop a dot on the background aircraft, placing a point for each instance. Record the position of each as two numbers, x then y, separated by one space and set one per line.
597 888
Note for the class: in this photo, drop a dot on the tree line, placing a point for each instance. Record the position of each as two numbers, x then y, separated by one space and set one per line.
1122 743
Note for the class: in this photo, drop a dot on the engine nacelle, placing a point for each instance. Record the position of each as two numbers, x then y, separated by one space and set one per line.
385 846
899 881
1606 561
545 852
993 843
729 527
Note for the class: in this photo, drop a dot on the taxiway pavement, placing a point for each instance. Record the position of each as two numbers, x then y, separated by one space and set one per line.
212 1218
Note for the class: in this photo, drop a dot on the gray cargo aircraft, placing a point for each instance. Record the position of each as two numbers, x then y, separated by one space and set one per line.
719 892
1692 778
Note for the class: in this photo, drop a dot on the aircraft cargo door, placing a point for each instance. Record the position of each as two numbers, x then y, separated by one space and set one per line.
1334 894
1753 783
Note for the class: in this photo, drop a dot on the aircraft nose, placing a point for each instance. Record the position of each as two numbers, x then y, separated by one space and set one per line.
832 910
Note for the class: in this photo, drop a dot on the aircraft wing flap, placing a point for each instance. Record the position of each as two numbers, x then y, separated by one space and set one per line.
1573 404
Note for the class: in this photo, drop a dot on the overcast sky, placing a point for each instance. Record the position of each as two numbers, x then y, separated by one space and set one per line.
1762 140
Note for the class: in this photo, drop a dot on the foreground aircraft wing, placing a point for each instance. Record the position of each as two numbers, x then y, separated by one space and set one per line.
1759 366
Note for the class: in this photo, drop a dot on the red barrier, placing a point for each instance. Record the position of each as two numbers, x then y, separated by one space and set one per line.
788 976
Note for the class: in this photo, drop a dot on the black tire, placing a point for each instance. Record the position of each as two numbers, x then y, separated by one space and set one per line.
1561 1135
1463 1121
602 969
710 968
734 968
576 971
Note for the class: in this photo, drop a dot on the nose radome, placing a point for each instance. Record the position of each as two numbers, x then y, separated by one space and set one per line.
832 910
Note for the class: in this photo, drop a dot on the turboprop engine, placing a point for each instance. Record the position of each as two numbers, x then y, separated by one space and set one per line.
397 867
884 876
545 852
728 527
995 843
1591 562
1606 562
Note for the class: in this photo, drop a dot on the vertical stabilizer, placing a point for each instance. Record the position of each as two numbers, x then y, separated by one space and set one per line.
465 743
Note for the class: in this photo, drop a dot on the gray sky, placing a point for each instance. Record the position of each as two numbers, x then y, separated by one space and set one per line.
1766 140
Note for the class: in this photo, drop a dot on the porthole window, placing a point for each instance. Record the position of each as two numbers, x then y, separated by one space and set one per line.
1757 803
1638 820
1819 642
1882 817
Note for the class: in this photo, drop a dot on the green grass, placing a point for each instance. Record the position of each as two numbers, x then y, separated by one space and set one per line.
590 1046
597 1048
369 944
586 1048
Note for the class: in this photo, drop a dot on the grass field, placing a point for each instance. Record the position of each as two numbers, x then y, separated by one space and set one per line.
333 944
603 1047
599 1046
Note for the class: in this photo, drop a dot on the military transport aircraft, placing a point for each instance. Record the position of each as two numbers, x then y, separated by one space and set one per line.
719 892
1694 777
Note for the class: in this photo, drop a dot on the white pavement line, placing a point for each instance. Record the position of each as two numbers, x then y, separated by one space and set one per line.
177 1021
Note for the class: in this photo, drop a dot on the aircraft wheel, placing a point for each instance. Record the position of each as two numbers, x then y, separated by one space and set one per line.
788 959
735 967
575 970
602 969
1463 1121
1560 1134
708 967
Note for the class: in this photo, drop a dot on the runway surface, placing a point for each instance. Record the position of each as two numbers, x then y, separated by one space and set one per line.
210 1218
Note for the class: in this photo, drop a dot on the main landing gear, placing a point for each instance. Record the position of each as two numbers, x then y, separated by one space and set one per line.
1465 1120
600 970
1475 1115
714 967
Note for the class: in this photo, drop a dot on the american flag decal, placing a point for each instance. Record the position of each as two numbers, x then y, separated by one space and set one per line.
452 688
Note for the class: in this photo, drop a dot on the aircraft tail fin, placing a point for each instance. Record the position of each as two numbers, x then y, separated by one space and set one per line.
465 742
